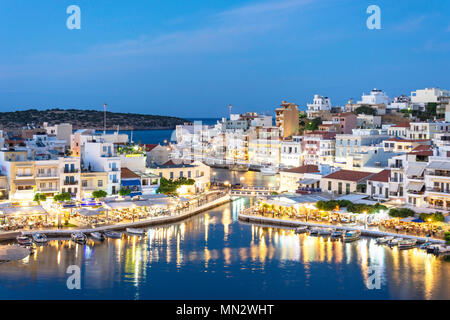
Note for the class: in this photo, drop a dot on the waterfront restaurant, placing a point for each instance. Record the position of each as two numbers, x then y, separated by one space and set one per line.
13 218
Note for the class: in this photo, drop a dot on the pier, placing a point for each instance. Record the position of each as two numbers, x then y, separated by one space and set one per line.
252 191
294 224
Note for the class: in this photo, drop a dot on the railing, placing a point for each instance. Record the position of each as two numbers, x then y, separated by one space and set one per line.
24 175
47 175
442 190
70 183
70 170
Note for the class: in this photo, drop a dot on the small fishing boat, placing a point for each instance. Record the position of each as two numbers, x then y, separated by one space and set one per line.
313 231
384 240
79 237
40 238
393 242
425 245
269 171
337 233
301 229
24 240
98 236
351 235
325 231
345 220
113 234
138 232
407 243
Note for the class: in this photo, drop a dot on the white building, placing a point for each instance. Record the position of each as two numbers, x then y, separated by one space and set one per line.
291 152
429 95
100 156
375 97
62 131
319 104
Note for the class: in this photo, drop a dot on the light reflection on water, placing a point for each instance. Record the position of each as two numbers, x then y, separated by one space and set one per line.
213 255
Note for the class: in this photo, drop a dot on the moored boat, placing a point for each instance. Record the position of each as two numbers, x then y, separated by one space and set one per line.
313 231
239 167
425 245
337 233
301 229
138 232
393 242
40 238
351 235
79 237
407 243
24 240
98 235
384 240
325 231
269 171
113 234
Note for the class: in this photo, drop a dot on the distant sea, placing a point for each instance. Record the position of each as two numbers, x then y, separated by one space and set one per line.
159 136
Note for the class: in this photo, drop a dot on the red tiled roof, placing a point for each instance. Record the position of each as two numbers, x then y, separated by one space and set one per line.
407 140
401 125
169 163
126 173
348 175
150 147
422 147
382 176
303 169
344 114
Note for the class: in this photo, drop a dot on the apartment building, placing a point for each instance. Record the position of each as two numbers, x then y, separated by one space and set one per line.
437 179
62 131
264 146
290 178
320 106
287 117
345 121
378 185
319 147
345 181
291 152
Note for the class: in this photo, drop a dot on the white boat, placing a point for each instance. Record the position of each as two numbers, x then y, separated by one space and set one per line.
98 235
79 237
24 240
393 242
113 234
239 167
384 240
345 220
407 243
351 235
301 229
325 231
138 232
269 171
40 238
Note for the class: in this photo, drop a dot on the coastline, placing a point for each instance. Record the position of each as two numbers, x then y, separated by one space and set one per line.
142 223
294 224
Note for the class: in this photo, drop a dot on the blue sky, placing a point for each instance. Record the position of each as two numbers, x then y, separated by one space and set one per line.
193 58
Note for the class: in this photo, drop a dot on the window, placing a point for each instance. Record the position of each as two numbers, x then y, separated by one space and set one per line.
100 183
84 183
340 188
189 174
347 188
329 185
171 175
181 174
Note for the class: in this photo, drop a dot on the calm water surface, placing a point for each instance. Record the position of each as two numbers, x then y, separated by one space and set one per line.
213 255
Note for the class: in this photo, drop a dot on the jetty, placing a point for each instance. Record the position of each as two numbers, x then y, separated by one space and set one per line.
365 232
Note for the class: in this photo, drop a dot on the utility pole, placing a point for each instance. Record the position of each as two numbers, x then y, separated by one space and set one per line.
104 118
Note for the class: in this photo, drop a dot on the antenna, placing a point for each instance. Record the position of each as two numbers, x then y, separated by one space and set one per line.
104 118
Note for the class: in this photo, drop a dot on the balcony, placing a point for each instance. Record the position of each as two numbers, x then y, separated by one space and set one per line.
396 166
70 183
24 175
71 170
416 178
439 190
47 176
48 190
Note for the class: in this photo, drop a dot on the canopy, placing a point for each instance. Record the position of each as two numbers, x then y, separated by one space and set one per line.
308 181
88 213
29 211
120 205
393 187
417 220
443 165
415 171
415 186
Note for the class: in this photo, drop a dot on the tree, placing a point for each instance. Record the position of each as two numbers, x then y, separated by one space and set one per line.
97 194
435 217
365 109
64 196
401 212
313 124
170 186
124 192
38 197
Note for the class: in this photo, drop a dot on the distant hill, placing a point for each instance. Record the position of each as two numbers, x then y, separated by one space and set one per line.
81 119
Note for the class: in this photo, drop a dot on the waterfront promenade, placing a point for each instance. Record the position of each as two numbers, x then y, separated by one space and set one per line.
290 223
176 215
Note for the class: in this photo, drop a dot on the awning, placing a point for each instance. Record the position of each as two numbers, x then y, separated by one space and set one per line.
25 183
129 183
393 187
415 186
415 171
308 181
443 165
29 211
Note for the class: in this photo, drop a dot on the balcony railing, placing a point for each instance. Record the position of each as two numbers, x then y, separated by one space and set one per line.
396 166
24 175
441 190
70 170
70 183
